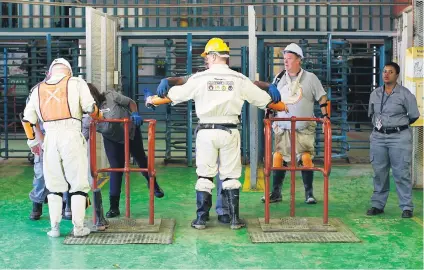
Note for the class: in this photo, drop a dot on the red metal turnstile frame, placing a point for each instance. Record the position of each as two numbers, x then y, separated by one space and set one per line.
127 170
293 168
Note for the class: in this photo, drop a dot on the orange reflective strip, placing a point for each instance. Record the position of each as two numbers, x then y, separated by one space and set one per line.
53 100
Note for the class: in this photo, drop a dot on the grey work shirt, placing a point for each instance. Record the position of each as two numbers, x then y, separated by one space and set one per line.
311 91
118 105
395 109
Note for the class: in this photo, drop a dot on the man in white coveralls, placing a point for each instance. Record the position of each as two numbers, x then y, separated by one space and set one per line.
59 102
219 94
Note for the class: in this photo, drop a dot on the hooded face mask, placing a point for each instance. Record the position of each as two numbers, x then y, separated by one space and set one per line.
60 61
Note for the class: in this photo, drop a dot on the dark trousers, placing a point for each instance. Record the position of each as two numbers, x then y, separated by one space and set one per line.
115 153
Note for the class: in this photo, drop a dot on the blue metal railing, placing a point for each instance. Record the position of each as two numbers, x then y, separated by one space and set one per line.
23 65
306 15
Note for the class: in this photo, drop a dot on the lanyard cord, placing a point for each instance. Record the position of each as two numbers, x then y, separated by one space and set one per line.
382 97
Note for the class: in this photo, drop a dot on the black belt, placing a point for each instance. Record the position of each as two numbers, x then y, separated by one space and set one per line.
391 129
226 127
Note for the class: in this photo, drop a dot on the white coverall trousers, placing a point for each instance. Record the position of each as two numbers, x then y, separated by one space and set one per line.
65 155
209 144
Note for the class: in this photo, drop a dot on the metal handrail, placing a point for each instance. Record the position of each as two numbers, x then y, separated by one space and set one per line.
293 168
127 170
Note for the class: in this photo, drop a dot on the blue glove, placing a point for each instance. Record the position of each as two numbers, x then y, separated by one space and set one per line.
136 118
163 88
148 93
274 93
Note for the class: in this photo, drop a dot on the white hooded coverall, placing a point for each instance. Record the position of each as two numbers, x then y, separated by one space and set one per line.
60 105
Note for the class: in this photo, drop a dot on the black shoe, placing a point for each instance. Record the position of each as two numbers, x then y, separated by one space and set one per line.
224 219
114 207
37 211
157 191
407 214
113 213
273 198
373 211
308 179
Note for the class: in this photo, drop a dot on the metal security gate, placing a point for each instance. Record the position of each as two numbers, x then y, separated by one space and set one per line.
349 72
154 60
22 65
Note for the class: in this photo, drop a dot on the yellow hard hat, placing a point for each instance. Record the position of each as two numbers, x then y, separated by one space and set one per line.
216 45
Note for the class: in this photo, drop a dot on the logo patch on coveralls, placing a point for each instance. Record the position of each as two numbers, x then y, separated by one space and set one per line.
220 85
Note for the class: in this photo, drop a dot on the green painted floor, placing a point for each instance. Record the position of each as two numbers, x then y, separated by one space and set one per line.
387 241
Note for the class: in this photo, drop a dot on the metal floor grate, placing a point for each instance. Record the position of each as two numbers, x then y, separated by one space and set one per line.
165 235
307 231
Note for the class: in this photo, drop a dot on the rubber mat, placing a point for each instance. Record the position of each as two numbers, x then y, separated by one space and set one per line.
300 230
165 236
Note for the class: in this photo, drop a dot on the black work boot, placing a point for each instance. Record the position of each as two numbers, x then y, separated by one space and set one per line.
101 222
225 217
204 203
308 178
37 211
277 185
114 207
66 212
233 198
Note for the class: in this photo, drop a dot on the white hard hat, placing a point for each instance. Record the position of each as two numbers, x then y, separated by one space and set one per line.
62 61
294 48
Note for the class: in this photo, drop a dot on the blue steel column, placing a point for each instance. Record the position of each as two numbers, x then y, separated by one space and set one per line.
388 48
126 14
360 16
126 67
136 24
20 13
275 12
168 131
75 53
261 113
328 18
52 13
49 49
31 20
382 63
10 13
6 132
266 64
317 20
344 108
329 49
189 106
134 73
270 57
